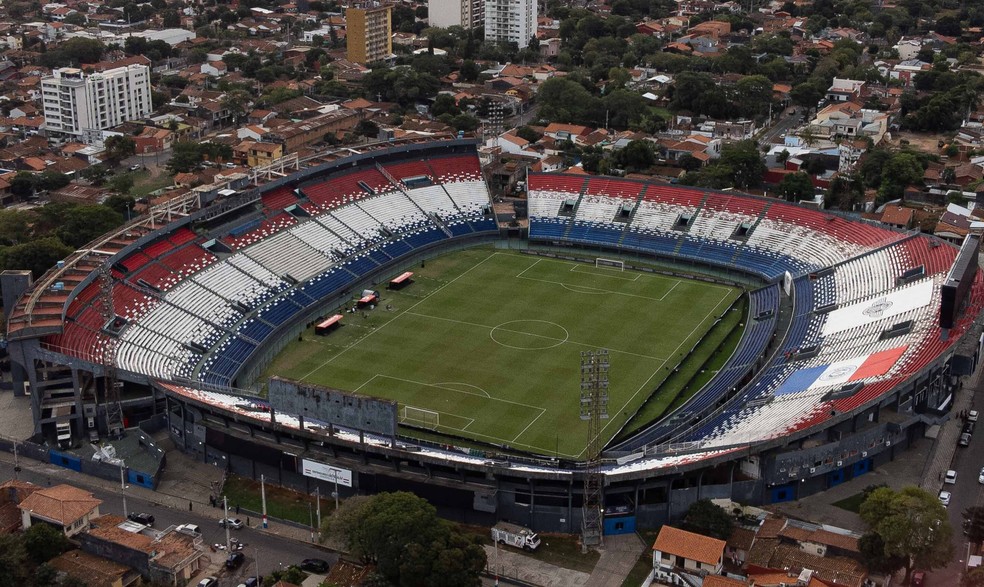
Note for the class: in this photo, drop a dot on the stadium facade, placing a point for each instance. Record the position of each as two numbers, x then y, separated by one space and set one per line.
842 364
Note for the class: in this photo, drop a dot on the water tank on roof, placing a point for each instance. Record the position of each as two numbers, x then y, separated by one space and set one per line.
61 264
59 285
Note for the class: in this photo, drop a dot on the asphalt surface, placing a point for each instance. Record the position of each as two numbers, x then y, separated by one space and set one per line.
965 493
273 552
784 122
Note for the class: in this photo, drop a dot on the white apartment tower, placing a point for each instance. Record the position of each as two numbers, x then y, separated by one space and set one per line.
510 20
464 13
78 103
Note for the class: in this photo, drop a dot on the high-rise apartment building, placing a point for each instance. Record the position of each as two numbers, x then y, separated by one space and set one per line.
510 20
369 33
464 13
78 103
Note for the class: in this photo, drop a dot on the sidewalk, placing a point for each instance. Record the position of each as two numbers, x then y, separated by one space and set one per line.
618 556
529 570
194 496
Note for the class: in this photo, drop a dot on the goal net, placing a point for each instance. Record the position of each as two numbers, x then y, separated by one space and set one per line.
421 417
609 264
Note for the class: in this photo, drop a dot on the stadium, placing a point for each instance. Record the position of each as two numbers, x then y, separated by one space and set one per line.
379 315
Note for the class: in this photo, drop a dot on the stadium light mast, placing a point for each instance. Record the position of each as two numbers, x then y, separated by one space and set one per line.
114 410
594 409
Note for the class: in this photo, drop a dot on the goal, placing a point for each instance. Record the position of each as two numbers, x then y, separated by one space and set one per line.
609 264
421 417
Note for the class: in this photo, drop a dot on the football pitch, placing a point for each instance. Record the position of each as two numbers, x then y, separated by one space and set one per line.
486 345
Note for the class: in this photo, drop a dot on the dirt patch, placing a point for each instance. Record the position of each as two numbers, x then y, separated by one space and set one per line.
346 574
917 141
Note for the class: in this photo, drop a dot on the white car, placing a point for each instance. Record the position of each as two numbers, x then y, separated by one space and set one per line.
980 478
972 416
945 498
234 523
189 529
950 477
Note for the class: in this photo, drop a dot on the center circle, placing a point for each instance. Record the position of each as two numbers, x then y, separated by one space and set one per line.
529 335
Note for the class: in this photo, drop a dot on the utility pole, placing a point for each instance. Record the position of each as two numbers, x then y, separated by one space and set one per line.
496 573
225 508
123 488
263 499
317 493
17 465
311 520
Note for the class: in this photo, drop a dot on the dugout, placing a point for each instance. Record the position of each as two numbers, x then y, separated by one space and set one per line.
327 326
402 280
369 297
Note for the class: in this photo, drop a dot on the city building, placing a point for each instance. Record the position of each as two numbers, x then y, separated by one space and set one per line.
511 21
67 508
464 13
80 104
368 33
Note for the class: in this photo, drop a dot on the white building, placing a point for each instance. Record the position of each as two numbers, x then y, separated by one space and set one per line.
77 103
510 20
464 13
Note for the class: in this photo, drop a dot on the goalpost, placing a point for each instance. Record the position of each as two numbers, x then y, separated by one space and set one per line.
421 417
602 263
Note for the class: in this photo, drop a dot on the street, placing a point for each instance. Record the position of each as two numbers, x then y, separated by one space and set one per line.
273 552
965 493
784 122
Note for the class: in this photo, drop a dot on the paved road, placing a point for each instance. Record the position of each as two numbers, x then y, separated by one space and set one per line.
966 492
273 551
784 122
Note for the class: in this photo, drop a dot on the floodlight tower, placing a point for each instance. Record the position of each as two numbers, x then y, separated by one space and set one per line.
594 409
114 411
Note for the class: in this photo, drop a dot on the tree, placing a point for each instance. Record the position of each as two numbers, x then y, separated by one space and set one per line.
43 543
796 186
901 171
236 102
36 256
912 523
753 94
119 147
974 523
525 132
745 162
636 156
872 549
15 226
22 185
564 100
13 558
121 184
85 223
974 578
704 517
121 204
367 128
401 534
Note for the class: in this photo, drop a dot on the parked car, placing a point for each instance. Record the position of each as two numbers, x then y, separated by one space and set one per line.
141 518
980 478
189 529
315 565
972 416
945 498
968 428
964 439
209 582
135 167
234 523
251 582
950 477
918 579
235 560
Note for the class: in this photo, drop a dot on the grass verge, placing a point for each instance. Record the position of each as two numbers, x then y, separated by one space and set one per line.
282 503
851 503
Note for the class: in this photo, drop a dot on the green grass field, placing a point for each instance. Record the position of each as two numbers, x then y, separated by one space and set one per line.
491 342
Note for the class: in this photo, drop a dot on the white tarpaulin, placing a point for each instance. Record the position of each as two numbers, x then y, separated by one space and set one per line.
886 306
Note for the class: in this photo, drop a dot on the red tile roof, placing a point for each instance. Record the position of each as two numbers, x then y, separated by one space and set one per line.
693 546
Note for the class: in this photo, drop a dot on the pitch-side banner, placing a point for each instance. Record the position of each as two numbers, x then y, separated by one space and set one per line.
326 472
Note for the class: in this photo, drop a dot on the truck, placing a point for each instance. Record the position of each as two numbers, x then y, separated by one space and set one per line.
515 535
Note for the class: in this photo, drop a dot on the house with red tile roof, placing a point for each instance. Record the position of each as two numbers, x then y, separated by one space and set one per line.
677 551
67 508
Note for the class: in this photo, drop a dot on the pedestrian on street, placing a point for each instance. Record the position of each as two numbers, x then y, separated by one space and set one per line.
237 509
247 521
189 506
